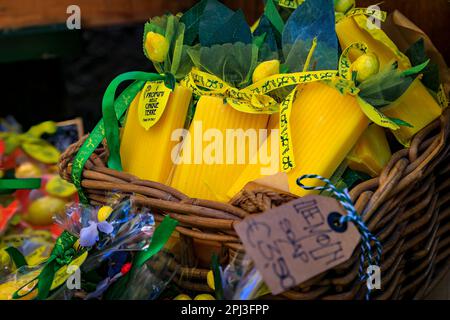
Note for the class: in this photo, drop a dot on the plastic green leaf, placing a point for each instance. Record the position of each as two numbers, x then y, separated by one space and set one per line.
272 14
191 20
312 19
177 61
388 85
231 30
272 40
233 63
417 55
214 17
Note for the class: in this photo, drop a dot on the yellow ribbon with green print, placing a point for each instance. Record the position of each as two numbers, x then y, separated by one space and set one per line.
32 144
369 12
255 98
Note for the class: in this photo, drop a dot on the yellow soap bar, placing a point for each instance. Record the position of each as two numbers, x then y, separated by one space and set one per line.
371 153
348 31
417 107
147 153
209 164
325 126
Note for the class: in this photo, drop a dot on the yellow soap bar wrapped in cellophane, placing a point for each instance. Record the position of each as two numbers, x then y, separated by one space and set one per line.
208 168
325 125
147 153
360 29
416 106
371 153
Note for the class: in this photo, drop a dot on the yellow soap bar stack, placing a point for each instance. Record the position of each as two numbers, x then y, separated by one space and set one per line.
147 153
212 180
371 153
325 126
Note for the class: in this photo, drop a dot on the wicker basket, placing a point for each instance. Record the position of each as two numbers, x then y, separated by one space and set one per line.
406 207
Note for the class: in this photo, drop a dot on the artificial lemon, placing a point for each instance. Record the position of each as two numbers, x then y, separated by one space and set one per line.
182 297
204 296
104 213
210 280
42 210
266 69
7 289
58 187
343 5
28 170
156 46
42 152
366 66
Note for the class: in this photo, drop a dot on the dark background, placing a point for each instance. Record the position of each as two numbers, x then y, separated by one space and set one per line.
49 73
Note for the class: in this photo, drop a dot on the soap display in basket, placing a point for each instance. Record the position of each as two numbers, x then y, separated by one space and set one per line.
304 156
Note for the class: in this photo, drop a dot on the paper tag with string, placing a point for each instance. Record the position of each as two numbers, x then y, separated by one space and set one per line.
297 241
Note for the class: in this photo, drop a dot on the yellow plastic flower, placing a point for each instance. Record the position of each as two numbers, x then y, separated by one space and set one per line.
366 66
210 280
266 69
343 5
182 297
104 213
156 46
204 296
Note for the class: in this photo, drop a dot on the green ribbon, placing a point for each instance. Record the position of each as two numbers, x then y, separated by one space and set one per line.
111 119
17 257
109 127
62 254
160 237
217 277
15 184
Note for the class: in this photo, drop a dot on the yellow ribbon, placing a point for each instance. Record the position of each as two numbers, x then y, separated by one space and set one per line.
370 12
255 98
32 144
291 4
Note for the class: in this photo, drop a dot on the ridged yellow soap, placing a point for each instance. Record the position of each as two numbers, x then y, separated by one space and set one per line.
209 162
349 31
325 125
371 153
147 153
417 107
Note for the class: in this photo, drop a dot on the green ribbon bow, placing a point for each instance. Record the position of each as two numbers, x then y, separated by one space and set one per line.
108 127
62 254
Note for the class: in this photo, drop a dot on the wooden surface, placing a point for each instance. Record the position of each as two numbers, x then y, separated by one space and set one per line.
430 15
24 13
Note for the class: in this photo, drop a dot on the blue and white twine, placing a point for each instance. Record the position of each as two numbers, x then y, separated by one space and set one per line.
352 216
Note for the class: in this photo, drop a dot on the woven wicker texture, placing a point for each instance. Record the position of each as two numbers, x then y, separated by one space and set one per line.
406 207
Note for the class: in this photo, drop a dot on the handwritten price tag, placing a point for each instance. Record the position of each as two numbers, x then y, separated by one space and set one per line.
297 241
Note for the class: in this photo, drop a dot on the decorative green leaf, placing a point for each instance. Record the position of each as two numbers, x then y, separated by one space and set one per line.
400 122
234 29
213 19
272 14
191 20
416 69
417 55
